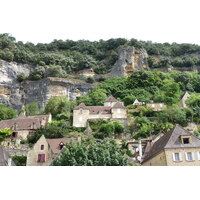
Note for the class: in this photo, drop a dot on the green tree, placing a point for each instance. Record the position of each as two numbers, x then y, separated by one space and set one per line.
32 109
7 113
19 160
4 133
59 107
93 154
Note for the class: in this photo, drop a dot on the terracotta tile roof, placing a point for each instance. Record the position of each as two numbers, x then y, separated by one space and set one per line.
25 123
118 105
111 99
54 143
172 140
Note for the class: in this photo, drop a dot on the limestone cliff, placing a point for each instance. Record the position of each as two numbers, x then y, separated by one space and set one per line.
129 61
15 94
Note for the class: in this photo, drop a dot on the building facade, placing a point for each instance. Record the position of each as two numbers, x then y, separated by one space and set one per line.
175 148
112 109
45 150
22 127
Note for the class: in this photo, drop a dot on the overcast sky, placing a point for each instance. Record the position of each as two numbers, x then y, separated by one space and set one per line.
156 20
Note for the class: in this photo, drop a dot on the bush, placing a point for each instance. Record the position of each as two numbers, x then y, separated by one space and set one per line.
90 80
21 77
19 160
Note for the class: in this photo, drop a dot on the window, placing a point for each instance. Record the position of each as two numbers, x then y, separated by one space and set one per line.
14 134
177 157
42 147
189 156
186 140
198 155
41 158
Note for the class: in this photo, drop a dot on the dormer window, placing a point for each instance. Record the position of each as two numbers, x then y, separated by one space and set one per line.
186 140
42 147
61 145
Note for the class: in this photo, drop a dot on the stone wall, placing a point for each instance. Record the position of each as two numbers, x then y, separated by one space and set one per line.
184 162
157 160
32 156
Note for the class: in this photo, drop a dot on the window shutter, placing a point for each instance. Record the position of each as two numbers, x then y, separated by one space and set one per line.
43 158
180 156
173 155
193 158
186 157
198 155
38 158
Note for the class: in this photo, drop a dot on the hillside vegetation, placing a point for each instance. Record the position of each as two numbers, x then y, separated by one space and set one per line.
67 57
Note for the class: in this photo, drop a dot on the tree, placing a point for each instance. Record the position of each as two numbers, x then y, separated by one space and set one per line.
56 71
49 131
59 106
94 98
19 160
37 74
4 133
106 153
173 115
7 113
32 109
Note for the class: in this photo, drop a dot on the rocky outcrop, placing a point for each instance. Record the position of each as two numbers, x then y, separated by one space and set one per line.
41 91
15 94
129 61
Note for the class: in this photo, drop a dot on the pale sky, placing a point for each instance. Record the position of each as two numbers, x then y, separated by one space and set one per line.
156 20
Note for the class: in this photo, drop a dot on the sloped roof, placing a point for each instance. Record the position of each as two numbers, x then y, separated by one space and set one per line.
24 123
186 94
111 99
54 143
99 109
172 140
4 156
118 105
82 105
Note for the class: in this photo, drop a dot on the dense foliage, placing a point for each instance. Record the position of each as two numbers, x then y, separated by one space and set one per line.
65 57
93 154
4 133
6 112
19 160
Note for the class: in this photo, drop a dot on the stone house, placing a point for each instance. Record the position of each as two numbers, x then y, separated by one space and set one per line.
178 147
45 150
112 109
185 97
22 127
156 106
5 159
137 103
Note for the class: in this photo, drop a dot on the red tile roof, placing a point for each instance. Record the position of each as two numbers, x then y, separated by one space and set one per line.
54 143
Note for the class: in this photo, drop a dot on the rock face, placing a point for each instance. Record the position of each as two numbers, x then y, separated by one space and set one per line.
129 61
15 94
